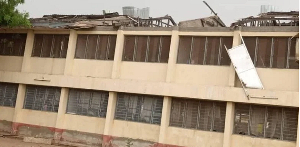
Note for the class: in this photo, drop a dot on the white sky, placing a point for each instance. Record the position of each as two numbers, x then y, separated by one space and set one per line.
228 10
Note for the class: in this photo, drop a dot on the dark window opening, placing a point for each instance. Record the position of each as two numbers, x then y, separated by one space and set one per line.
99 47
12 44
139 108
87 102
50 45
147 48
8 94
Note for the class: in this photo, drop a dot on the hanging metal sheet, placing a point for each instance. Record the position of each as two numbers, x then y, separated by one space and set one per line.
244 67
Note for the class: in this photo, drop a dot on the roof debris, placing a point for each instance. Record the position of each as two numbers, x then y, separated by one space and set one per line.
90 21
212 21
270 19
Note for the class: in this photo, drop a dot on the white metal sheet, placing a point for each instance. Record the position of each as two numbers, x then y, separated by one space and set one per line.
244 67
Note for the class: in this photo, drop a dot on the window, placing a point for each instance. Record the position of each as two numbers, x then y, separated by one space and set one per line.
147 48
272 52
99 47
42 98
139 108
87 102
266 121
50 45
8 94
204 50
12 44
198 114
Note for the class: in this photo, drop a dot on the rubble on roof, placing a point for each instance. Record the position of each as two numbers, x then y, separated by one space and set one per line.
91 21
270 19
212 21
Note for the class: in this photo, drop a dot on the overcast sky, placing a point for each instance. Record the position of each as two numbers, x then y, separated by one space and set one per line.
228 10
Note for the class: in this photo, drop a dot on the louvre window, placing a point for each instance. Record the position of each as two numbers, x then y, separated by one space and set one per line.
8 94
87 102
99 47
42 98
139 108
147 48
266 121
272 52
50 45
12 44
198 114
204 50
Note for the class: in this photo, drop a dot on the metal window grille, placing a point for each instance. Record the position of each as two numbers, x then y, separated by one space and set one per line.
139 108
42 98
99 47
272 52
87 102
147 48
198 114
50 45
12 44
204 50
266 121
8 94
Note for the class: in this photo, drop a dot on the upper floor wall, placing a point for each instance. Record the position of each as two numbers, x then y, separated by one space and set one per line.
182 55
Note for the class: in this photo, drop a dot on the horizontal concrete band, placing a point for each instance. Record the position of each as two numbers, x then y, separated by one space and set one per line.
219 93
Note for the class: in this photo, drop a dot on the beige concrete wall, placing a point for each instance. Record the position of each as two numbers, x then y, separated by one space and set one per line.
84 123
277 79
247 141
53 66
92 68
135 130
40 118
191 138
202 74
11 63
7 113
222 93
143 71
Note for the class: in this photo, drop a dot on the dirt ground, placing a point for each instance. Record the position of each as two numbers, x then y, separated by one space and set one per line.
14 142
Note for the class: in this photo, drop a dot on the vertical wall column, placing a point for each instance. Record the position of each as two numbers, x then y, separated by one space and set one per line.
70 53
229 124
236 42
165 117
112 99
63 101
28 51
18 107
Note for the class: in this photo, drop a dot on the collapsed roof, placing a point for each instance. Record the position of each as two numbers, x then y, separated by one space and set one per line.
212 21
270 19
91 21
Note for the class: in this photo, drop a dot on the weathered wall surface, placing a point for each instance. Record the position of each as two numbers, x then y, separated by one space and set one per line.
39 118
84 123
247 141
92 68
6 118
202 75
155 72
134 130
11 63
190 137
51 66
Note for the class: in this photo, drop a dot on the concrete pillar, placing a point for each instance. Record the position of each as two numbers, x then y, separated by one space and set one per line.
165 119
63 101
229 124
297 142
236 42
173 55
118 55
110 114
28 51
70 53
18 107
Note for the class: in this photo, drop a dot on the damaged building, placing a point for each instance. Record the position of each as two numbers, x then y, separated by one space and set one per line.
103 79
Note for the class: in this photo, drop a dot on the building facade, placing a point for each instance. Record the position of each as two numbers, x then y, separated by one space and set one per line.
150 86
